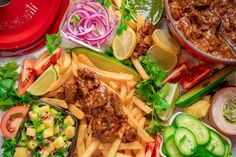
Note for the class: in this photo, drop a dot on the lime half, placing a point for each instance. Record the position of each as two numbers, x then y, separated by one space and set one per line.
171 97
41 85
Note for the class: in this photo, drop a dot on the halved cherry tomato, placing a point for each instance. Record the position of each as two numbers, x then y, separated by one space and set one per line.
153 148
149 149
177 74
194 76
43 62
12 119
156 150
27 76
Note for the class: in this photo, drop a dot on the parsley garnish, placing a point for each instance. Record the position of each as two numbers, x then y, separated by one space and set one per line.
75 19
125 14
125 17
106 3
8 93
149 89
8 146
53 41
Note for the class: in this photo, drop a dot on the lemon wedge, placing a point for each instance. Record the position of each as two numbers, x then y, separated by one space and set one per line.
165 60
123 45
165 41
40 86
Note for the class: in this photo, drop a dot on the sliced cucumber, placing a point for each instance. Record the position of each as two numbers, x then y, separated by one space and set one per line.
171 148
227 151
168 131
164 151
216 145
169 144
195 126
185 141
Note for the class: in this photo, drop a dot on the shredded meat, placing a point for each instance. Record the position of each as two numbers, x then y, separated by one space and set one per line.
70 93
198 20
130 135
144 39
102 107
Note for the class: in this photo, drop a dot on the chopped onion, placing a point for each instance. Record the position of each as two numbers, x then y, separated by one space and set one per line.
94 27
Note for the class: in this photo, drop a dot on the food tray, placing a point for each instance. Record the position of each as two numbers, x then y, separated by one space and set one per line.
73 142
171 120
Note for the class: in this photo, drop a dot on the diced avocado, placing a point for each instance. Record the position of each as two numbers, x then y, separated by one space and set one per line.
20 152
48 133
205 87
69 121
31 132
40 128
56 130
45 108
32 144
45 154
33 116
58 142
107 63
49 123
70 132
35 108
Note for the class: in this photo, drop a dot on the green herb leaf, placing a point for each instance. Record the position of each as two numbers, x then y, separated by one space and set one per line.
53 41
149 90
75 19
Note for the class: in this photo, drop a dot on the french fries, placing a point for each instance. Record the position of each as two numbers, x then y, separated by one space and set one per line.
142 133
84 59
91 148
107 74
139 68
76 111
142 105
57 102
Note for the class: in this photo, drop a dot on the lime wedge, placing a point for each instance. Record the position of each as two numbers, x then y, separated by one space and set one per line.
41 85
171 97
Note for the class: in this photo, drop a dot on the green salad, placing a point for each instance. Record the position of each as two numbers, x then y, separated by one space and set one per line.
47 133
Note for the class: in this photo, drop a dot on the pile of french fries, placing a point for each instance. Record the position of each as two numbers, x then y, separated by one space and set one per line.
121 84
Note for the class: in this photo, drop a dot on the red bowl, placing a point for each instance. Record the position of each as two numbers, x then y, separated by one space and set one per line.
188 46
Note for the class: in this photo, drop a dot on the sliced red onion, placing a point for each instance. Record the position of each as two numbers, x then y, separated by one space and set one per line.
95 25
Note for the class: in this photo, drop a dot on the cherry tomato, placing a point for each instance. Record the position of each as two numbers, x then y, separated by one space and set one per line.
177 74
12 119
43 62
27 76
194 76
156 150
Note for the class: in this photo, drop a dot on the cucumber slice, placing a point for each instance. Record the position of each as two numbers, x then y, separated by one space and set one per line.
185 141
171 148
164 151
168 131
200 131
169 144
205 87
216 145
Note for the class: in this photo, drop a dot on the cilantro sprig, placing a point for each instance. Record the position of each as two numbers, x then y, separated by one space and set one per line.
8 93
125 14
149 90
53 41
